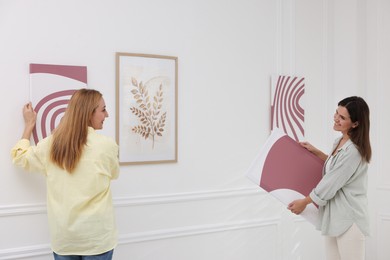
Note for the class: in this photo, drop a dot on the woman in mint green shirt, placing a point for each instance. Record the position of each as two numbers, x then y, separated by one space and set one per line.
342 192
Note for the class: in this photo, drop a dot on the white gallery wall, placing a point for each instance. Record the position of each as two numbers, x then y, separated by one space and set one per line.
203 206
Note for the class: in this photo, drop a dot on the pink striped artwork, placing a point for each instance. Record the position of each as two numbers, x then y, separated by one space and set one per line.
287 111
51 87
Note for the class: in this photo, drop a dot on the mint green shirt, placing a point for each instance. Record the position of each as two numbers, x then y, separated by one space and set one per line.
342 192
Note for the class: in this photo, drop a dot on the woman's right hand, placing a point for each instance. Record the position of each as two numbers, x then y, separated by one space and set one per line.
308 146
314 150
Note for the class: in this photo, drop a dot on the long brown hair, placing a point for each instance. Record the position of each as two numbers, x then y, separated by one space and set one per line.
70 136
360 113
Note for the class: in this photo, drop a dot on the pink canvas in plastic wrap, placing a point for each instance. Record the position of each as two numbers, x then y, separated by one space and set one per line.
51 87
287 171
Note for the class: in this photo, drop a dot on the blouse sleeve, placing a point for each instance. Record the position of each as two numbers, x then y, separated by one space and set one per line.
115 163
338 176
30 158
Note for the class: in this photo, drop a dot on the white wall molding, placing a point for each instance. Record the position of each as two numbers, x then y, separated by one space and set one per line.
25 252
279 36
44 249
325 52
185 197
381 245
40 208
384 217
286 37
383 182
383 187
292 44
328 54
22 209
195 230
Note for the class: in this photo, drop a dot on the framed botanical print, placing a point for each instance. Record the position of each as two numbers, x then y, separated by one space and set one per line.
146 108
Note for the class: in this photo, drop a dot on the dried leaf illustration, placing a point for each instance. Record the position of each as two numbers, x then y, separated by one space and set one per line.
151 124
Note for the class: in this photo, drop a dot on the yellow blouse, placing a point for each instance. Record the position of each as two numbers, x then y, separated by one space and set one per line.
79 205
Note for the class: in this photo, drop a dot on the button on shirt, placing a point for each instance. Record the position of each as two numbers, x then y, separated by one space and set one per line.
79 205
342 192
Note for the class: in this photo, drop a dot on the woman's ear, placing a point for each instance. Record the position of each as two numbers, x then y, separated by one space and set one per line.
354 125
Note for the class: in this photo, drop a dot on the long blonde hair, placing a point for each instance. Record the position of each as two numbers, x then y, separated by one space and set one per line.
71 134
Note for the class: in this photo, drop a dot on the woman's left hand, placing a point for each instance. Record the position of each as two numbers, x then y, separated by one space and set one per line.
30 118
298 206
29 115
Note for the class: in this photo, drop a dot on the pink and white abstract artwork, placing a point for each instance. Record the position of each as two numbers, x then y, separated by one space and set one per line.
51 87
287 171
287 109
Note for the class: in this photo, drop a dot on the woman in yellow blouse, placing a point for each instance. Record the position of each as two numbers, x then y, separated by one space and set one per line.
79 165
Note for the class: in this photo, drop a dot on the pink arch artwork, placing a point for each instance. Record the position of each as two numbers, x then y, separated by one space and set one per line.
287 112
51 87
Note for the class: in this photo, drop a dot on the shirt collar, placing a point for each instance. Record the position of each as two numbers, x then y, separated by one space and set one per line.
345 146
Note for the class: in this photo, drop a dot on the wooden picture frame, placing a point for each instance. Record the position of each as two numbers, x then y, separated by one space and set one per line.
146 108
